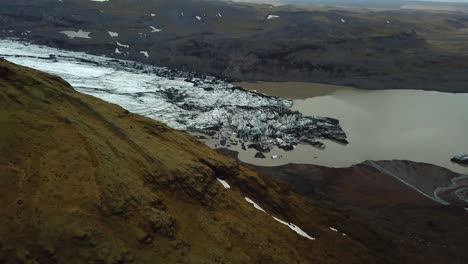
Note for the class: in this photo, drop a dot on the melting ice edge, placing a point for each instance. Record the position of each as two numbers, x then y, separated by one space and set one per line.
182 100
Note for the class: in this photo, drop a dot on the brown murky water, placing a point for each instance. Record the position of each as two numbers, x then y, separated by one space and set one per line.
411 125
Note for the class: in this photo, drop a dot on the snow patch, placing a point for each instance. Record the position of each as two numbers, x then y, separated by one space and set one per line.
254 204
122 45
113 34
224 183
153 29
145 53
76 34
198 17
117 51
295 228
272 17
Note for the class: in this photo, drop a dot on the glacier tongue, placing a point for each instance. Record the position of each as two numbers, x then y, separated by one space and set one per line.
182 100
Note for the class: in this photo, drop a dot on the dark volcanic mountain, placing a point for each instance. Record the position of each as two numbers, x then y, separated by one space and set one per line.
361 48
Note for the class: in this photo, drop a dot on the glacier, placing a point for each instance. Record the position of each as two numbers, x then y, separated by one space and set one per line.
182 100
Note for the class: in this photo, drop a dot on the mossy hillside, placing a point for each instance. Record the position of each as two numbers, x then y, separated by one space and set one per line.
85 181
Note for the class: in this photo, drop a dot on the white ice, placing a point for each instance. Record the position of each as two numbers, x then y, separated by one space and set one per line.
76 34
256 206
122 45
145 53
295 228
153 29
224 183
113 34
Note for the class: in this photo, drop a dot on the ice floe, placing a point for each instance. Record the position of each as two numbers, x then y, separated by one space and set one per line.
224 183
76 34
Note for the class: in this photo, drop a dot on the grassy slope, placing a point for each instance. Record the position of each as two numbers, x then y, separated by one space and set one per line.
82 180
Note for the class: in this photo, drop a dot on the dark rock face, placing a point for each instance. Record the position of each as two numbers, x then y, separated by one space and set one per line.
460 159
